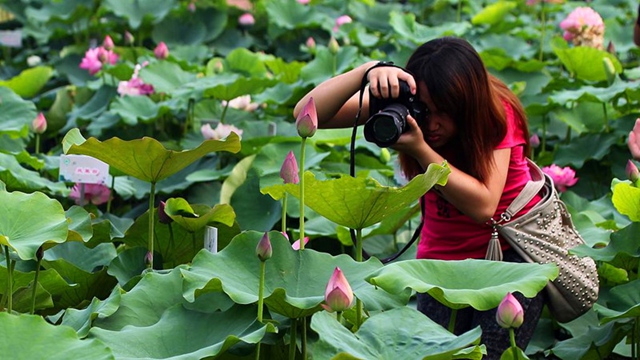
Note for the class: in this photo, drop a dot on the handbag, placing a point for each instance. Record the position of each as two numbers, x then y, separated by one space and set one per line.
545 234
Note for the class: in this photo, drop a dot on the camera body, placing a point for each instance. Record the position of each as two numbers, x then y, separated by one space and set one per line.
388 117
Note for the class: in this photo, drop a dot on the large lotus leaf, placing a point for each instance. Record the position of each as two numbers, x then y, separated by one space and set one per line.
584 62
137 10
147 159
624 244
186 334
81 256
87 284
16 115
182 213
622 302
28 221
50 285
134 108
81 319
494 13
359 202
29 82
80 228
16 177
402 333
481 284
167 76
31 337
295 280
596 343
626 199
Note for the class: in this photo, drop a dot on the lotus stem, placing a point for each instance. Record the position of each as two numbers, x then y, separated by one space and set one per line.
152 199
37 143
9 280
606 117
113 183
359 305
284 213
543 25
263 270
304 337
452 320
293 339
35 286
302 155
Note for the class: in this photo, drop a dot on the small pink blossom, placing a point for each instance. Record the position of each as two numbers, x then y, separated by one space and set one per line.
242 102
161 51
303 2
108 43
563 177
584 26
192 6
341 20
264 249
39 124
338 295
93 193
289 170
534 140
632 172
246 20
311 43
296 244
220 132
128 38
307 121
510 313
135 86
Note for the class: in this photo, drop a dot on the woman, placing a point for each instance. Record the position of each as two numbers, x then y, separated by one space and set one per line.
476 124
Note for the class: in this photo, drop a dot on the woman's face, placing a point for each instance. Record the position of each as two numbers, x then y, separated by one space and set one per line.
438 127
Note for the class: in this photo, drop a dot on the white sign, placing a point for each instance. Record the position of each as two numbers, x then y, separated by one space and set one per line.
83 169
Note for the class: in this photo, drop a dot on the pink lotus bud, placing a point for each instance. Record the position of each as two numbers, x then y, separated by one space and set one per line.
311 43
341 20
246 20
39 124
333 45
128 38
534 140
307 121
148 259
108 43
296 244
632 172
562 177
303 2
338 295
264 250
192 6
510 313
163 217
161 51
289 170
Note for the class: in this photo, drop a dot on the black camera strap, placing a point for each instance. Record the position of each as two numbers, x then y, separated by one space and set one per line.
352 169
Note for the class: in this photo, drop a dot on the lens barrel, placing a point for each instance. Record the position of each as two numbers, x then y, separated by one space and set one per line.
385 127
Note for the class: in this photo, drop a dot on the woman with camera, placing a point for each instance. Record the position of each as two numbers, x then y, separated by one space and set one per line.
474 123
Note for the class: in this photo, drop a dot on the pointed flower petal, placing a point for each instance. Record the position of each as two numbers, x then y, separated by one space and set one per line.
289 170
338 295
510 313
307 121
264 250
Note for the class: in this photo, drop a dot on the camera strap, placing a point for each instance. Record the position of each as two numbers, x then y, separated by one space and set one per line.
352 168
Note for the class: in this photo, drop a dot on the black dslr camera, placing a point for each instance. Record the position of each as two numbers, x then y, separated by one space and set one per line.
388 117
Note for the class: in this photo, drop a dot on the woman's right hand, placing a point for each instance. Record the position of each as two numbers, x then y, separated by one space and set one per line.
384 81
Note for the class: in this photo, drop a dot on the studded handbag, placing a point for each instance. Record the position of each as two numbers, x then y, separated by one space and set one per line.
546 234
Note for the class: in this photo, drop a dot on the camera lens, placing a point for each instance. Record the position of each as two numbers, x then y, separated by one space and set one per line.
385 127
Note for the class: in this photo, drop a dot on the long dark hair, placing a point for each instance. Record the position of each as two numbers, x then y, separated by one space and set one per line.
460 86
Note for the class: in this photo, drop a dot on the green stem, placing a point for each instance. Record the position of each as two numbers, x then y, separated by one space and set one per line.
302 155
284 214
293 339
452 320
113 182
35 287
304 338
359 305
9 281
635 338
152 199
606 117
543 22
543 141
339 316
224 113
258 351
514 347
37 143
263 270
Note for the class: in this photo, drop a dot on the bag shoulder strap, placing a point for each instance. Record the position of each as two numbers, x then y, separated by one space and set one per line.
527 193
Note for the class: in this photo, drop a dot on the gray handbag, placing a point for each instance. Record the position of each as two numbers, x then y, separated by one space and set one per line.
544 235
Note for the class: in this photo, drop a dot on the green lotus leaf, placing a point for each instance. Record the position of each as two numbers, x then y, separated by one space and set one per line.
295 280
45 341
80 228
147 159
27 221
29 82
17 177
139 10
81 319
50 286
494 13
16 115
626 199
481 284
183 214
134 108
622 302
360 202
407 334
186 334
580 60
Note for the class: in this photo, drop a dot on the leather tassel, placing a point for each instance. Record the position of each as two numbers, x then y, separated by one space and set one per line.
494 251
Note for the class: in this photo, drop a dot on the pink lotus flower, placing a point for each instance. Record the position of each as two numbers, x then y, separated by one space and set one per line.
303 2
108 43
242 102
264 249
39 124
96 57
563 177
93 193
246 20
341 20
510 313
584 27
632 172
192 6
534 140
338 295
289 170
128 38
135 86
307 121
161 51
296 244
221 131
311 43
